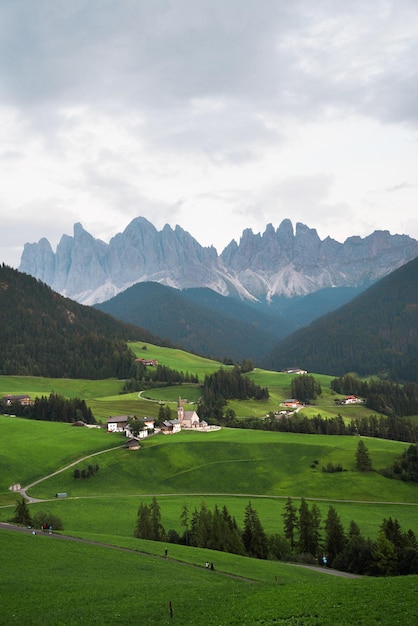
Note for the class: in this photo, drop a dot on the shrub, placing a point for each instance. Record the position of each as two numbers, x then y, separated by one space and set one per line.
45 517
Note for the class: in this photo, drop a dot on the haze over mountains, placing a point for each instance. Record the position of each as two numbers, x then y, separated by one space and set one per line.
280 262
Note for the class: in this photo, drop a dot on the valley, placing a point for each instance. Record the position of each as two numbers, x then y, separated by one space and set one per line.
228 467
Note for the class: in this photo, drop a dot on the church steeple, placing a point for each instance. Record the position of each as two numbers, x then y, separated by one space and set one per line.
180 410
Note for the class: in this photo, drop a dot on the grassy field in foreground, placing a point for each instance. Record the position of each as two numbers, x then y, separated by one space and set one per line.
59 582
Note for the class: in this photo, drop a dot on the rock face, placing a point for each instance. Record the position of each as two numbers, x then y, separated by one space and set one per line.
280 262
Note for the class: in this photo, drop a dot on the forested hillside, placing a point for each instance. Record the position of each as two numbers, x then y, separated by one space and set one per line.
237 333
376 333
45 334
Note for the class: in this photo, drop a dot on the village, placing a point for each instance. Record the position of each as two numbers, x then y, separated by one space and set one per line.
136 428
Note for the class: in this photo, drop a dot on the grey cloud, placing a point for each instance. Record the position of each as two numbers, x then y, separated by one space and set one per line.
280 58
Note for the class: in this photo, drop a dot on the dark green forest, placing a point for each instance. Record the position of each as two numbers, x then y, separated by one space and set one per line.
225 385
382 396
374 334
232 330
44 334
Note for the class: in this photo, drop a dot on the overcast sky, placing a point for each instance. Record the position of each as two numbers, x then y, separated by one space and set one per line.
216 115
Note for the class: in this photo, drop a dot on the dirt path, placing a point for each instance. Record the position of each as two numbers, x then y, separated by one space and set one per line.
23 490
24 529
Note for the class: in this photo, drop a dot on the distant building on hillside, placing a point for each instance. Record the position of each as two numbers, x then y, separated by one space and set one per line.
151 362
23 400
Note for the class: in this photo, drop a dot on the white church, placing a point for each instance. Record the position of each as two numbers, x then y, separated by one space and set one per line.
188 419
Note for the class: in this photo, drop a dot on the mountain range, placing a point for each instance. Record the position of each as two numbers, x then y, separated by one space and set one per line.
42 333
282 262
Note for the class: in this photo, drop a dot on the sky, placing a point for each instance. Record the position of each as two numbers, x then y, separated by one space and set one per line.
216 115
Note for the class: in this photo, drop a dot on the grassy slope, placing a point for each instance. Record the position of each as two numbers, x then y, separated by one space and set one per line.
266 465
261 466
30 450
80 583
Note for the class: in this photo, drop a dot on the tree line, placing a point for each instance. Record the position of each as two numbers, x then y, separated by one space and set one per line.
224 385
382 396
54 408
304 537
381 427
146 377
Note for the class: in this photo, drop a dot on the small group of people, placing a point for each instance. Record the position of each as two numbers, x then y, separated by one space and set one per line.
46 528
209 565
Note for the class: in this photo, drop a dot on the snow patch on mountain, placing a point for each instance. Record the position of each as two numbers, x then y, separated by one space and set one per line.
280 262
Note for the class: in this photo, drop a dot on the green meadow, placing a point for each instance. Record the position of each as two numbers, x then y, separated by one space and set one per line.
122 580
51 581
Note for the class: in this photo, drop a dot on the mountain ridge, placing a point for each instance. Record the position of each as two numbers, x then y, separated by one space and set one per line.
280 262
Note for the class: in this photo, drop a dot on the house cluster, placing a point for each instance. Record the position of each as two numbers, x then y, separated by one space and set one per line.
294 370
291 403
23 400
146 426
151 362
121 424
352 400
289 406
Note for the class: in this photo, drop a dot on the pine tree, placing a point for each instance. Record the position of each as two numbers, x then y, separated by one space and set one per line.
143 529
22 515
157 529
334 535
290 522
184 521
253 536
305 528
363 460
384 557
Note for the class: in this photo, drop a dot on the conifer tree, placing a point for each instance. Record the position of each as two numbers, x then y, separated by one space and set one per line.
290 522
157 529
184 521
334 535
363 460
22 515
253 536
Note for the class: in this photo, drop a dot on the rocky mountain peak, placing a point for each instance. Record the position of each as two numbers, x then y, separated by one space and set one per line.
278 262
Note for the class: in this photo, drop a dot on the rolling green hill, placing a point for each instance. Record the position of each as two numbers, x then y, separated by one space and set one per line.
225 467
